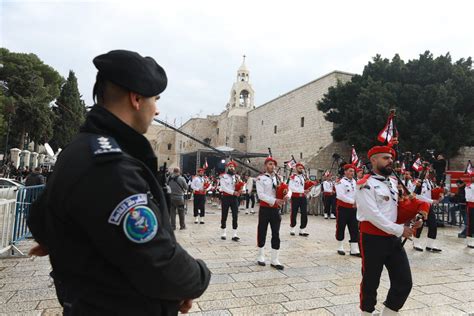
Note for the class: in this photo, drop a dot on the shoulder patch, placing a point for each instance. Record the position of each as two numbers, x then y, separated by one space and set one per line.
140 224
102 145
126 205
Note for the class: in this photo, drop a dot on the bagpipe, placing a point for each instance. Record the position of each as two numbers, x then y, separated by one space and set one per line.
239 184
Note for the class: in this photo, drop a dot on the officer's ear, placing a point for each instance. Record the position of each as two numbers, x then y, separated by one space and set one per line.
134 100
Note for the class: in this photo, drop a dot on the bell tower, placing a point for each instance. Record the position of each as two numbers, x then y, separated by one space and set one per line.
242 94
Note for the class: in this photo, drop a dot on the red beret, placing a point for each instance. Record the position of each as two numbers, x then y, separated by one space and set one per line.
349 166
359 169
299 164
201 169
231 163
381 150
271 159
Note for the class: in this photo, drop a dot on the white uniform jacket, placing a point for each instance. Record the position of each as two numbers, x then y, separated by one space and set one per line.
377 203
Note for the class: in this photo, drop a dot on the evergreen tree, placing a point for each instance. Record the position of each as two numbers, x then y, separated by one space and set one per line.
69 113
33 85
434 99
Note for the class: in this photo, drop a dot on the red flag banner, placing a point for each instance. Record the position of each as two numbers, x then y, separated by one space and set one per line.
417 165
388 132
291 163
354 158
469 168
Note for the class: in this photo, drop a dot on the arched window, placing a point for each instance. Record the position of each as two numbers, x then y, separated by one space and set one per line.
169 146
244 98
242 139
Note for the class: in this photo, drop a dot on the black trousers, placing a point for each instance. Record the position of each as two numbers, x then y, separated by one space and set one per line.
231 202
299 203
470 222
347 217
379 251
431 223
329 202
250 197
199 205
268 215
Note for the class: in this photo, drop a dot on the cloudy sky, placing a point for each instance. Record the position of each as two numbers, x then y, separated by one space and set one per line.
201 43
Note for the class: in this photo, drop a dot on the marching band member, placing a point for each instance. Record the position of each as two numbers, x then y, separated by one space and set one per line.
272 195
382 214
298 201
230 199
408 181
470 212
198 185
250 195
426 195
346 211
329 197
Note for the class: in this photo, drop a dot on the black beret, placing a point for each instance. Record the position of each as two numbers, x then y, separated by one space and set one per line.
132 71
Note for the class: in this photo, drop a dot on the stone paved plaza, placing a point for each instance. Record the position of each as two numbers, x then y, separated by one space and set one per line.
316 281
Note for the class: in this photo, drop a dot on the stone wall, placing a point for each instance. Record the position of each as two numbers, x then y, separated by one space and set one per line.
285 113
163 142
324 159
460 161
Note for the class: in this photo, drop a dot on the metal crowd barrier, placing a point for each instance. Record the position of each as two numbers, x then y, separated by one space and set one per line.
7 216
13 215
25 197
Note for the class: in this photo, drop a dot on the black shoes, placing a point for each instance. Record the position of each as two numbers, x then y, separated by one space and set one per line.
261 263
432 249
277 266
235 238
341 252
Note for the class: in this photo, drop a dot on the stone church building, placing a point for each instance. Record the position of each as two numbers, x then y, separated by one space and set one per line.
290 124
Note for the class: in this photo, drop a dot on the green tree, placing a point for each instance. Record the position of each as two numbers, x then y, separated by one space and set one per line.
33 85
434 99
69 113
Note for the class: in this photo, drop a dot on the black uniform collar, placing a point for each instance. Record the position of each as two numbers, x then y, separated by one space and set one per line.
100 121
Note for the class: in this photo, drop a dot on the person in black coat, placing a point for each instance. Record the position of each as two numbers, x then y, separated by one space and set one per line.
103 218
35 178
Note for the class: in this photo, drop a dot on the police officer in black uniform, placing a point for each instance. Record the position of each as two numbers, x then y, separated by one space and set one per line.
102 217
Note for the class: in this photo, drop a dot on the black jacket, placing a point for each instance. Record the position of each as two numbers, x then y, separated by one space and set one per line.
34 178
105 260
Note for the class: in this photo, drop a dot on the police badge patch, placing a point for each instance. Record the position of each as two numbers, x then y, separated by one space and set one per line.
129 202
140 224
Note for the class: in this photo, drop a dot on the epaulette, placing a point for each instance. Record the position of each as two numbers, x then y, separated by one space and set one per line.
104 145
362 183
292 177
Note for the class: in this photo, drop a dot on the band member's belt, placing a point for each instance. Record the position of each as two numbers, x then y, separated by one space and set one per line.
227 194
470 204
369 228
265 204
344 204
328 193
198 192
296 195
